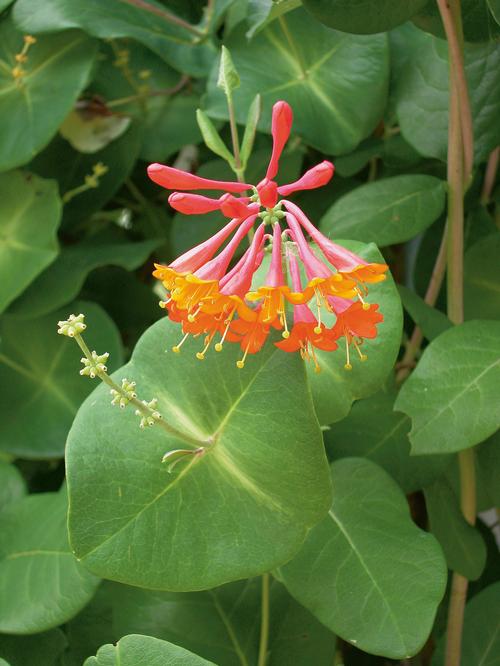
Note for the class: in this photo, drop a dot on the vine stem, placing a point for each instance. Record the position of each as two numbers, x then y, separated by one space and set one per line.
460 155
437 277
490 176
144 409
264 622
167 16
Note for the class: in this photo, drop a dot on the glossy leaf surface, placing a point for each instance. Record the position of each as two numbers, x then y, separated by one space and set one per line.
233 512
352 567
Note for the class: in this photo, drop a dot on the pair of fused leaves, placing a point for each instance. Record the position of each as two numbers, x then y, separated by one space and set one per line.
245 506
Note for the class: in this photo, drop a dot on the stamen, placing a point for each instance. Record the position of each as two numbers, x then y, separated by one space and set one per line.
366 306
218 345
317 368
201 355
177 348
317 328
241 363
163 304
362 357
347 365
286 332
192 316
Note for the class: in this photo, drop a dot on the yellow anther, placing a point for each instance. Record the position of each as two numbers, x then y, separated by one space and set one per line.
363 357
200 356
366 306
29 39
317 330
99 169
91 181
177 348
18 72
21 57
218 346
144 73
285 334
348 366
240 364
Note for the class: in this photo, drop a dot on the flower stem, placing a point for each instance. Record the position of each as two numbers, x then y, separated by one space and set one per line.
144 409
264 622
234 137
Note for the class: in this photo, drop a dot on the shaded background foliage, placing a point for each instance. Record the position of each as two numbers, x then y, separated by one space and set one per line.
107 88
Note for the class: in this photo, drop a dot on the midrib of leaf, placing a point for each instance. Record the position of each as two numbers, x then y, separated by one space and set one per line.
489 646
387 436
33 553
355 550
441 411
224 461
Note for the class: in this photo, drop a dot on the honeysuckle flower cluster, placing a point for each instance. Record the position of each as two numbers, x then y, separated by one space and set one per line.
209 298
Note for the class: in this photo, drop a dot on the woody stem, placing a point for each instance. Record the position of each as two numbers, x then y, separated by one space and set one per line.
459 169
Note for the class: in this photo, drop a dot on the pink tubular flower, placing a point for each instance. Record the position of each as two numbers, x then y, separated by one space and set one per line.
217 296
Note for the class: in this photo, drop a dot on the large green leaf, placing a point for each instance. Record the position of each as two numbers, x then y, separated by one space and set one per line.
462 544
355 564
373 430
452 395
488 471
481 633
240 509
334 389
32 108
116 19
363 16
12 484
388 211
494 6
41 582
61 282
314 63
136 650
482 279
39 372
421 95
26 246
40 649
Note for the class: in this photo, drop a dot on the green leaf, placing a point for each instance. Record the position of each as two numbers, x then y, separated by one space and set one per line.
355 563
228 79
170 128
388 211
117 19
310 61
41 583
421 95
481 279
212 138
227 619
69 167
494 6
481 632
33 107
26 246
136 650
61 282
250 129
374 431
240 509
452 395
462 544
12 484
351 164
334 389
478 25
488 470
431 321
362 16
41 649
39 372
263 12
